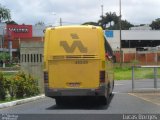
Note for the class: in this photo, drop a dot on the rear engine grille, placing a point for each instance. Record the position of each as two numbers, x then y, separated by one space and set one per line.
62 57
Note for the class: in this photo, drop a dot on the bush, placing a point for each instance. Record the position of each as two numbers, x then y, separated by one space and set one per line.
11 88
19 86
3 92
31 87
26 86
18 81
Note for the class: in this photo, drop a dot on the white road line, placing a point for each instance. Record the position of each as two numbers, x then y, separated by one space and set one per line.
119 84
144 99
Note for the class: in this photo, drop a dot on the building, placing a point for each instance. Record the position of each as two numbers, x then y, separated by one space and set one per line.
141 27
139 43
133 38
12 35
142 45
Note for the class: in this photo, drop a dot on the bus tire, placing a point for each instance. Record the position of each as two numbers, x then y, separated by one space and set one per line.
59 101
103 100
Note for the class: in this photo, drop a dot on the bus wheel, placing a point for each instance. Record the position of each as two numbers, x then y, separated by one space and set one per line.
103 100
59 101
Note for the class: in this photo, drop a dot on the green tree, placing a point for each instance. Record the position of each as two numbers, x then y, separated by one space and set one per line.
4 57
102 22
112 17
2 87
125 25
4 13
11 22
155 24
90 23
108 19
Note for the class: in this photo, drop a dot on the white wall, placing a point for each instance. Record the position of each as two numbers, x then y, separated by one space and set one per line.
140 35
115 40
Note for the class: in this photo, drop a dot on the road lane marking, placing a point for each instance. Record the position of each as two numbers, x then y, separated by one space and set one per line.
118 84
119 92
115 92
145 99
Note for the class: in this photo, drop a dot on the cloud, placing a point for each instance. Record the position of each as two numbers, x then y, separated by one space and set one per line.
80 11
140 11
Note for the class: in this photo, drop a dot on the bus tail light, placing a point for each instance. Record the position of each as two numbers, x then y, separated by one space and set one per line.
102 76
45 77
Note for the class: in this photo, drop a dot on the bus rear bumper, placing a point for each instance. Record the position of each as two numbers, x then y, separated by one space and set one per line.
101 91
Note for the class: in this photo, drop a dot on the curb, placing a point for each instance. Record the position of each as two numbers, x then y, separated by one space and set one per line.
151 90
22 101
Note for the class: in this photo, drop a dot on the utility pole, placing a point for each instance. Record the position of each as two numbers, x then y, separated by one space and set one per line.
60 21
120 29
2 45
102 10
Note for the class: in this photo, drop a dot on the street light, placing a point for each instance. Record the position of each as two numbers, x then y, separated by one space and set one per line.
2 43
2 38
60 19
102 8
120 28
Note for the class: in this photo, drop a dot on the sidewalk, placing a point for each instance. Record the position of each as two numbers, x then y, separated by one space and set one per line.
22 101
153 97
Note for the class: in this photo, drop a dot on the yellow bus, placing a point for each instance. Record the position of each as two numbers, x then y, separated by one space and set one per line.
78 62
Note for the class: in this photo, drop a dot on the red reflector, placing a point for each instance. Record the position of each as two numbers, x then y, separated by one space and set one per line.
102 76
45 77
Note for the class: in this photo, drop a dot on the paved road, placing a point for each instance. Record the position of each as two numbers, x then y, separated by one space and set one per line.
121 103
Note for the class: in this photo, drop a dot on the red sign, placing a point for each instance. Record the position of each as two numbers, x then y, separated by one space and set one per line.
19 31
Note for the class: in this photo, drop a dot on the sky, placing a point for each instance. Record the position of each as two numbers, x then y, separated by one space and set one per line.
80 11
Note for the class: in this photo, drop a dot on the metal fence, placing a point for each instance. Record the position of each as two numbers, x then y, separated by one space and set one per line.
145 78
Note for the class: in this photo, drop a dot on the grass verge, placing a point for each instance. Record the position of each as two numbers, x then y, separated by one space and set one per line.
8 100
125 73
9 75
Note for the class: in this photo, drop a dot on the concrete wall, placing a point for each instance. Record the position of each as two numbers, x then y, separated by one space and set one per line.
31 59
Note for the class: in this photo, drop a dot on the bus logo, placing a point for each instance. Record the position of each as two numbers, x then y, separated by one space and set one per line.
75 44
74 36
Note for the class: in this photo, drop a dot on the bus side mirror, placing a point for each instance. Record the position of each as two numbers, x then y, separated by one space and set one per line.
107 56
112 58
